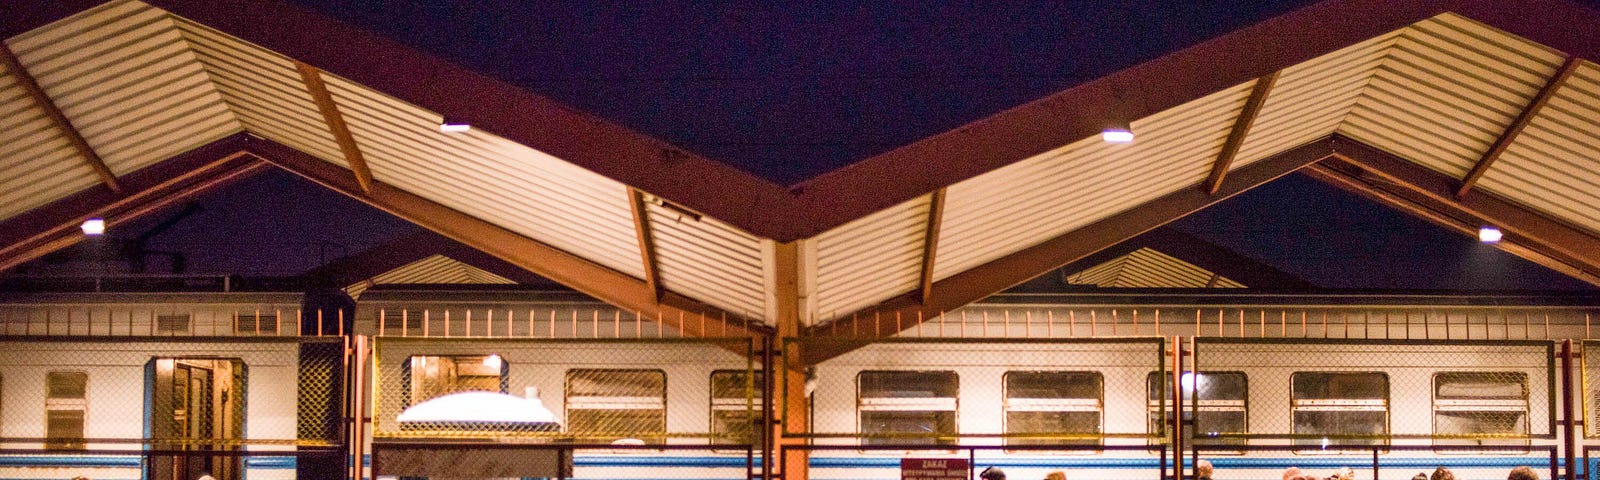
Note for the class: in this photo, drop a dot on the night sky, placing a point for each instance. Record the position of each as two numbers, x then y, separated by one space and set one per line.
788 91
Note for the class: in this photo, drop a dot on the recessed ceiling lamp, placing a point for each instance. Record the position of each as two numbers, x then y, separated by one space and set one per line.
454 127
94 226
1489 235
1120 133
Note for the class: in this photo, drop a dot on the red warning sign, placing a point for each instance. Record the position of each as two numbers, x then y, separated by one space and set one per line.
934 469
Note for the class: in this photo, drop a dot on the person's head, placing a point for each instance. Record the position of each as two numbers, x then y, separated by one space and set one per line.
1203 469
1056 475
1442 473
1291 473
1523 473
992 473
1420 476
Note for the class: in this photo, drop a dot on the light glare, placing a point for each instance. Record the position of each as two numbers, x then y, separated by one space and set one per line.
454 127
94 226
1489 235
1117 135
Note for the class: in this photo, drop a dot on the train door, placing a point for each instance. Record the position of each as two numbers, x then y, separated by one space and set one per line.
196 405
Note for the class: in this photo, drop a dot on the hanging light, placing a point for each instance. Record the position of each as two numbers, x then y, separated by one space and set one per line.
94 227
448 126
1488 234
1119 133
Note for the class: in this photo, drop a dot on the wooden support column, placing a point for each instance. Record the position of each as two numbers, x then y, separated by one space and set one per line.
1515 129
930 243
336 125
1241 128
647 246
43 101
795 413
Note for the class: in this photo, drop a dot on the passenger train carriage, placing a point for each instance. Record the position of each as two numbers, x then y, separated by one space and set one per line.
117 386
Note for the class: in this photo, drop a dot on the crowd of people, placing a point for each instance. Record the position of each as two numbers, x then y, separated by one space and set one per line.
1203 471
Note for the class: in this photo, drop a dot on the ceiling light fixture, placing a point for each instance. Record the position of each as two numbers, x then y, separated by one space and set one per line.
1489 235
94 226
454 127
1121 133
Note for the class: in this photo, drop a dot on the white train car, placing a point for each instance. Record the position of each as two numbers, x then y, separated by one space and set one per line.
165 386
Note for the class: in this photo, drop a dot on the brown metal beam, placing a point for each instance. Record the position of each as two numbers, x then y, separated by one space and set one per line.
987 279
43 101
1427 194
930 243
1512 131
647 244
1241 127
336 125
56 225
688 316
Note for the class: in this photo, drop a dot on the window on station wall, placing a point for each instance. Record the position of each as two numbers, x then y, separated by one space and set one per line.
1480 409
1055 408
1222 407
431 376
65 403
255 323
736 403
1339 408
907 407
612 405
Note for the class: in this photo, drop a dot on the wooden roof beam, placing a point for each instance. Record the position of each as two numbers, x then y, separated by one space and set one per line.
1241 128
341 131
1427 194
647 245
55 226
692 318
930 243
1512 131
979 282
43 101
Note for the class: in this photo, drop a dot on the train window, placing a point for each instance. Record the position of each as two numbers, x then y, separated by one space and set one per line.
431 376
174 323
64 404
906 407
1221 409
1068 404
617 404
255 323
736 407
1339 408
1481 408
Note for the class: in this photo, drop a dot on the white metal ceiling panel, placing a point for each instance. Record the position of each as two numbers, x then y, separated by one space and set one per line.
124 76
709 261
433 270
871 259
1149 268
1311 99
1026 203
1447 90
37 163
1554 166
491 178
265 90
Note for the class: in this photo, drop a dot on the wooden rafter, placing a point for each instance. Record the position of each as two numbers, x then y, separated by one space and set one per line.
43 101
55 226
647 245
690 317
1002 273
1512 131
336 125
930 243
1426 194
1241 128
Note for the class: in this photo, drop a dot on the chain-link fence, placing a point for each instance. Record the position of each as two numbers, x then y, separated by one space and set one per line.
1069 394
1333 396
626 392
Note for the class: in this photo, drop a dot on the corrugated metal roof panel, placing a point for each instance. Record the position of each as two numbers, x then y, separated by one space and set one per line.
1028 202
433 270
1149 268
1447 90
265 90
709 261
491 178
125 77
37 163
871 259
1310 99
1554 165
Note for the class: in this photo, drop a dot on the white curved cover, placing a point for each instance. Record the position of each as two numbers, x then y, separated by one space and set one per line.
479 407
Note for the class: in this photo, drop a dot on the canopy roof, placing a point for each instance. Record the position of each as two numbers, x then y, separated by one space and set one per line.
1463 112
